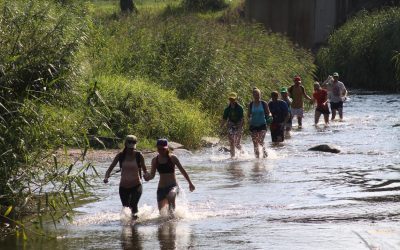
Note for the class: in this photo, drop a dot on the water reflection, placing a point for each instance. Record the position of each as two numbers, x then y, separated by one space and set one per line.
236 172
131 238
173 235
259 172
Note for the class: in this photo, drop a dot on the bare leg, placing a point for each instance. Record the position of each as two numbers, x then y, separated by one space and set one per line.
254 138
333 114
300 121
232 144
238 138
340 113
162 204
171 200
261 142
316 117
326 119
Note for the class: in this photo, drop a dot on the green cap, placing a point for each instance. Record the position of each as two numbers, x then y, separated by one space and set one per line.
283 90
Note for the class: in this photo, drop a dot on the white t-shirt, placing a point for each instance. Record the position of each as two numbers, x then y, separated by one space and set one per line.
336 91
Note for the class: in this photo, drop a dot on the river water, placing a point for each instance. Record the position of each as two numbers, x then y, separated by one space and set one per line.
294 199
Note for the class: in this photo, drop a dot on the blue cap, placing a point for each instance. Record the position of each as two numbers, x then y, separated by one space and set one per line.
162 143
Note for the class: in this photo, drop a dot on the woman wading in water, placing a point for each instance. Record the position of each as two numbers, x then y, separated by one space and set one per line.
168 188
131 162
258 112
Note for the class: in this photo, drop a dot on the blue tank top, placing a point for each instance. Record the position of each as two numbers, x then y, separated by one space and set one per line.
257 115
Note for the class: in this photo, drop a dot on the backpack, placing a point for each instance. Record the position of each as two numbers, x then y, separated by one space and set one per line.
138 157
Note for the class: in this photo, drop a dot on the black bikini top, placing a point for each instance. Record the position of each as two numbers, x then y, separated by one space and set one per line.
165 168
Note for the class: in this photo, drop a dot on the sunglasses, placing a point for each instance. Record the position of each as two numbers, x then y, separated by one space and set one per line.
131 142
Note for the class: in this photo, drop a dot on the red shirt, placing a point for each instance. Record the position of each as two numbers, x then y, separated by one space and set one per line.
321 96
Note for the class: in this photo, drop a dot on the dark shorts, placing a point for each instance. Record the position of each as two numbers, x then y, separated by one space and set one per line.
258 128
130 197
277 132
324 111
162 193
336 105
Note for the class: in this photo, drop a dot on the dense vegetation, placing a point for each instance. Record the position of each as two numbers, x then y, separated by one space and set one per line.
72 70
365 51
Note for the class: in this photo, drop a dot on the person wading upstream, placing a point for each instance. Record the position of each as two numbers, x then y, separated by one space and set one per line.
168 188
130 186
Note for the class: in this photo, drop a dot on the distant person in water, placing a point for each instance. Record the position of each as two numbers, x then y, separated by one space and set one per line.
297 92
131 162
320 96
337 94
285 97
168 188
258 112
233 119
280 114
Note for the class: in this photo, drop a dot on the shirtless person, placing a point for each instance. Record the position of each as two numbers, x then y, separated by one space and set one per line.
297 92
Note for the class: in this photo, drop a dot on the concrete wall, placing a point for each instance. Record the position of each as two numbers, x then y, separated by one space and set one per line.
307 22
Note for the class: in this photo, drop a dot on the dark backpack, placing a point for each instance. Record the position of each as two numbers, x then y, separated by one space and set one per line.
138 157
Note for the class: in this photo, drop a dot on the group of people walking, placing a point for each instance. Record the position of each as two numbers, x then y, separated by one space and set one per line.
277 114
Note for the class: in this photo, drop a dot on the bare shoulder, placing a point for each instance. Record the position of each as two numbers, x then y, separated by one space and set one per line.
174 158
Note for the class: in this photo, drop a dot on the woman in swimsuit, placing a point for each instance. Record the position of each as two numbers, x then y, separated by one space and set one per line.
168 188
131 162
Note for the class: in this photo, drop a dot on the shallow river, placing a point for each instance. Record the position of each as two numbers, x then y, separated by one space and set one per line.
295 199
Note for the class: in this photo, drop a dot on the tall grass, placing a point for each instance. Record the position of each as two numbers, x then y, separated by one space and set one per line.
39 49
201 59
362 50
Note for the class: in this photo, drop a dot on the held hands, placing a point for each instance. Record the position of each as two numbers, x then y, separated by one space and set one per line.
191 187
146 176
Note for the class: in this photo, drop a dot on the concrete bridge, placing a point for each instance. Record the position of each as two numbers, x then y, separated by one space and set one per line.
307 22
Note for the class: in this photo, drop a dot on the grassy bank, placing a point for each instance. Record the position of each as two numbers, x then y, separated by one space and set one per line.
365 51
74 70
198 55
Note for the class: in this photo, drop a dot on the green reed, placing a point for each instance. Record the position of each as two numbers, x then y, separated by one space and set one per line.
364 49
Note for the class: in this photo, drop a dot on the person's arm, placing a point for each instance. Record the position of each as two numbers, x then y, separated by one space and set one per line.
266 109
176 161
143 166
305 94
287 116
249 112
326 99
241 122
110 168
153 170
224 118
344 91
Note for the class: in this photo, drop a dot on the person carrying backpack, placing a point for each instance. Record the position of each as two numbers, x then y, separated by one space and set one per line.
233 117
131 163
258 114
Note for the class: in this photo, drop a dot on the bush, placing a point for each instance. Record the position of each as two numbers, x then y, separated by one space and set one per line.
362 50
142 108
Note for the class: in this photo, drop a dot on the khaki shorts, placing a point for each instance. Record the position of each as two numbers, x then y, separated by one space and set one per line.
297 112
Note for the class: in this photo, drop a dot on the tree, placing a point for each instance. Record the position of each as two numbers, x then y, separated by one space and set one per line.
127 6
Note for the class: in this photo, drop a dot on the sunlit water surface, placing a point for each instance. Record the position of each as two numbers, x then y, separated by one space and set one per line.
294 199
